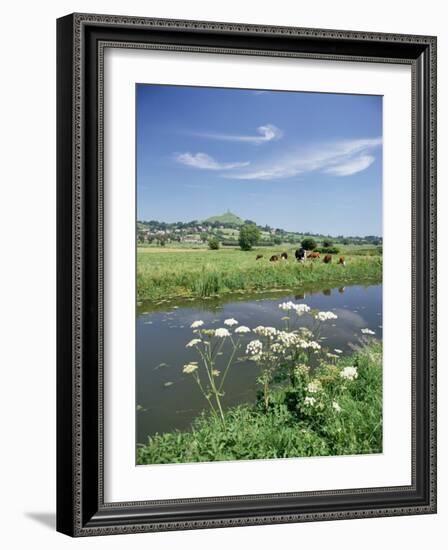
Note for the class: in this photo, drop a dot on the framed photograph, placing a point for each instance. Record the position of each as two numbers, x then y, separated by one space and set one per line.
246 274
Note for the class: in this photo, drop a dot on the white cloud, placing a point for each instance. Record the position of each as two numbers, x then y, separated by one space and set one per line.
266 133
342 158
357 164
202 161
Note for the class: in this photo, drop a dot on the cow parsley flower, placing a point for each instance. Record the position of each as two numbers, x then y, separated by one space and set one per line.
337 350
336 407
242 330
349 373
193 342
196 324
314 387
325 315
309 401
230 322
216 372
190 368
268 332
367 331
221 332
254 348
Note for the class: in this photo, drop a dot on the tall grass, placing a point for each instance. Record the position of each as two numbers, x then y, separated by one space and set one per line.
287 428
205 273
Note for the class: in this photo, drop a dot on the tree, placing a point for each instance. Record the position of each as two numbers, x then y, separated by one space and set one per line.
327 243
278 240
249 236
309 244
213 243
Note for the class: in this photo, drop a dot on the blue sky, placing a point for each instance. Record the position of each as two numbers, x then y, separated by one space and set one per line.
307 162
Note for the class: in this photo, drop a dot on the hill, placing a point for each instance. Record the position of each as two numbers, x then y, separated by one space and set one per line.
227 217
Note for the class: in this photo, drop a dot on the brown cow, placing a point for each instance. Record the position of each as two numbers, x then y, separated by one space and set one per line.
274 258
284 256
259 256
313 255
327 259
342 260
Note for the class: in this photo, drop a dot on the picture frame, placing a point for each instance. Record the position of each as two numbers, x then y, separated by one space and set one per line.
81 506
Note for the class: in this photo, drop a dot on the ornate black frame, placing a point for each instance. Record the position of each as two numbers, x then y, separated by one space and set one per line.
81 39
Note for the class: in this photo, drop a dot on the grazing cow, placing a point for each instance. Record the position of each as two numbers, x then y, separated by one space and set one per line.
314 255
327 259
284 256
274 258
342 260
259 256
300 254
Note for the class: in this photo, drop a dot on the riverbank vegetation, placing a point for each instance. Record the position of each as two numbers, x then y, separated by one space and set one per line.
312 401
168 273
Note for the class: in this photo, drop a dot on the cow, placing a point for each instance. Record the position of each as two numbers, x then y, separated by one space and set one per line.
327 259
314 255
342 261
284 256
274 258
259 256
300 254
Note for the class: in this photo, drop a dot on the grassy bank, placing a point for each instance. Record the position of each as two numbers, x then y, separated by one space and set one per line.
345 418
171 273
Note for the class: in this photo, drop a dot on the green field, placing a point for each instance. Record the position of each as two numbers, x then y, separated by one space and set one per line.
165 272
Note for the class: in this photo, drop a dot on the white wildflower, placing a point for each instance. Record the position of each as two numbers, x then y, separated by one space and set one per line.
314 387
336 407
325 315
349 373
300 309
309 401
230 322
337 350
242 330
221 332
254 348
197 324
193 342
190 367
216 372
367 331
268 332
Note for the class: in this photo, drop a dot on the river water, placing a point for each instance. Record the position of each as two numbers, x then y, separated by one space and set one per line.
168 399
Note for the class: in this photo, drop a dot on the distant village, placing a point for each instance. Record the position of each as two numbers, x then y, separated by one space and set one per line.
226 229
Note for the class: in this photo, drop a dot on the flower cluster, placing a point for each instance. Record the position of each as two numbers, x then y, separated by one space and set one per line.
197 324
268 332
314 387
189 368
367 331
230 322
255 349
300 309
193 342
242 330
349 373
325 316
222 333
309 401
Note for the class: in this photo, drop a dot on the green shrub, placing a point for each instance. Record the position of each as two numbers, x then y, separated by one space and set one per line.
213 243
309 244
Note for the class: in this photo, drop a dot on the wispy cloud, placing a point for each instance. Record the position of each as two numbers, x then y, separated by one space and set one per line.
202 161
342 158
265 133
